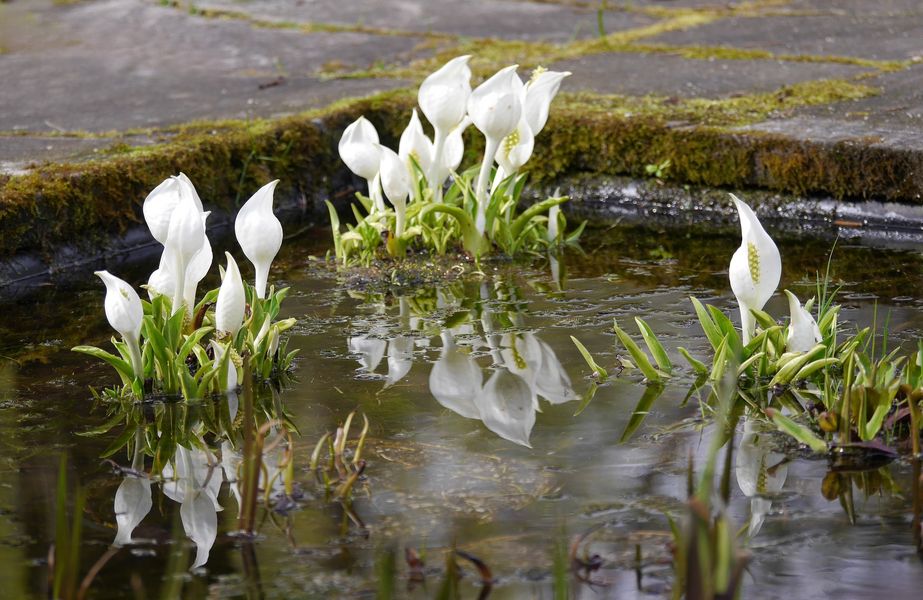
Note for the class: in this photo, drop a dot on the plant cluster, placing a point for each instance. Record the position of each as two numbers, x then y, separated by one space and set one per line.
479 208
173 345
850 389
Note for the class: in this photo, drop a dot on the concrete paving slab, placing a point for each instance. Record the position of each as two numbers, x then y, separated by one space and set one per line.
17 151
122 64
898 106
508 19
857 7
660 74
870 37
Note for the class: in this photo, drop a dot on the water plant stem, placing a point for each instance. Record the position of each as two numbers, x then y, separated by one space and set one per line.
435 182
490 151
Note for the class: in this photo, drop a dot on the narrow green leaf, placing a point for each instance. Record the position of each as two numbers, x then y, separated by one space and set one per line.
654 345
651 393
799 432
600 372
638 356
697 365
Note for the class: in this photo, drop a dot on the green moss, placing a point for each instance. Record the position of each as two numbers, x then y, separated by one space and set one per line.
56 204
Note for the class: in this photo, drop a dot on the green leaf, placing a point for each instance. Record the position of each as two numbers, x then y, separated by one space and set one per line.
799 432
124 369
697 365
651 393
533 211
638 356
587 398
711 330
600 372
654 345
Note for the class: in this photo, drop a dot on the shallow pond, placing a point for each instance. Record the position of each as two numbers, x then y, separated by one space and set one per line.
480 436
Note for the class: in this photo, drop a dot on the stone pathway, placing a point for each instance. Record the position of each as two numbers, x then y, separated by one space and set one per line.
87 73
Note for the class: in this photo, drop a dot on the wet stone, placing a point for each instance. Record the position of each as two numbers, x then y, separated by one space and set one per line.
882 37
899 106
640 74
119 65
508 19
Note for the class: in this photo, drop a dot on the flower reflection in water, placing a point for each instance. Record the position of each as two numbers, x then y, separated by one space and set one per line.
195 449
761 472
490 367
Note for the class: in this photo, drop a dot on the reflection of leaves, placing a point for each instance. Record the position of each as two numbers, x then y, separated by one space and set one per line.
587 398
651 393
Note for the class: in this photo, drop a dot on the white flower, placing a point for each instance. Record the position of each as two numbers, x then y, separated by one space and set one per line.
443 95
539 92
395 181
185 237
259 234
219 351
124 313
358 148
231 304
415 143
400 358
803 332
756 268
370 350
495 106
515 150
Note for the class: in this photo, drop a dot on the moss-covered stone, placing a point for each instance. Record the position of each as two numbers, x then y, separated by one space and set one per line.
88 202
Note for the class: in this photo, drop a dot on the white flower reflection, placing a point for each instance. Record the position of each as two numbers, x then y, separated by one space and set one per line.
504 395
760 472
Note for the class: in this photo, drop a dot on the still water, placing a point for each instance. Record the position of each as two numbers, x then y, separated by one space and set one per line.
481 435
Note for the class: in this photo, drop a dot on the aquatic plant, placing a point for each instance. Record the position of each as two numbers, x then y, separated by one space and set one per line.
171 345
478 210
823 391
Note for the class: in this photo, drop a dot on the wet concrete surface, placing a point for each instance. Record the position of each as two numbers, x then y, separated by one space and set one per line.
640 74
505 19
122 64
850 35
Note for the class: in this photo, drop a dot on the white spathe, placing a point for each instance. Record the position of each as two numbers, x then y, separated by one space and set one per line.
539 92
395 181
133 501
443 95
755 269
185 237
803 332
358 148
231 305
259 234
495 108
414 143
124 313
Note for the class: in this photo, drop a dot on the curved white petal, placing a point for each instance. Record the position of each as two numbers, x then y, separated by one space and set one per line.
539 92
358 148
803 332
760 471
200 522
158 207
415 143
495 106
552 382
259 234
516 148
231 305
443 95
755 269
198 267
395 179
123 306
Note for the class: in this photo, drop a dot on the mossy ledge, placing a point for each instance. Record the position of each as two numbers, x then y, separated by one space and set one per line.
84 206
